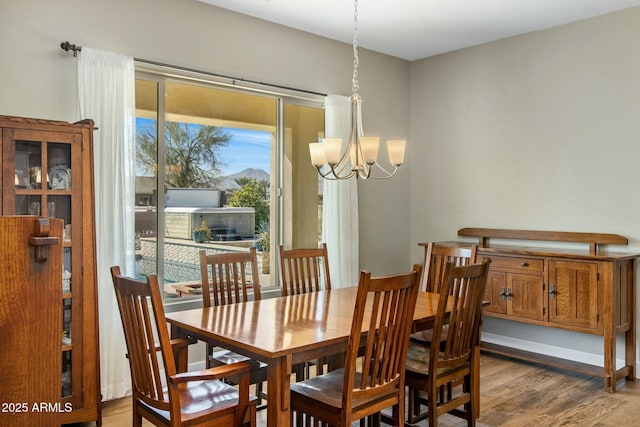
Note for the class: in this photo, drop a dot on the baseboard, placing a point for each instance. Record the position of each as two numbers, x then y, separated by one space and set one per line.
553 351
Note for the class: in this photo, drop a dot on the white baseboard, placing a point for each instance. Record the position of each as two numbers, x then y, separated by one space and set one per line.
550 350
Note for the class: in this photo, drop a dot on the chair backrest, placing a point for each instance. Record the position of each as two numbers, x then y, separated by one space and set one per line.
302 270
436 256
389 304
229 276
461 296
143 321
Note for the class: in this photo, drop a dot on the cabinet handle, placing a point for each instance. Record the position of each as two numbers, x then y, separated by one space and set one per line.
41 239
524 264
552 291
509 294
503 294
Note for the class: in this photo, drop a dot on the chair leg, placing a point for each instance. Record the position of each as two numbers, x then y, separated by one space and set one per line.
432 404
412 409
137 418
470 407
259 393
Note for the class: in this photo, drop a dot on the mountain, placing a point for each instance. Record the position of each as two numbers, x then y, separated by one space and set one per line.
228 182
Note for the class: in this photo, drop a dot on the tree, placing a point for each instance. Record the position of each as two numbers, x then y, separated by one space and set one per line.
191 152
253 195
263 185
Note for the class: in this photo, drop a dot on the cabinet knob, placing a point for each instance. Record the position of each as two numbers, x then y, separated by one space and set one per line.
524 264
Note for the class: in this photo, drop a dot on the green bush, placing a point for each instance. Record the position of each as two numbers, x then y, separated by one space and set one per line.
252 195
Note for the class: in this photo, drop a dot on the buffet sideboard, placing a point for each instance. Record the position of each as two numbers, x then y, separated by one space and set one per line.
588 289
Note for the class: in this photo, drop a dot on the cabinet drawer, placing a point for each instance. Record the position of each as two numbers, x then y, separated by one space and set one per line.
513 263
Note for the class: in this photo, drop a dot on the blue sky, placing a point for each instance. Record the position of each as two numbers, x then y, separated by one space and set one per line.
246 148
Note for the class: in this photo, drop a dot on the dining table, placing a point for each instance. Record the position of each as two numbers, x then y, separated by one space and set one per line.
284 331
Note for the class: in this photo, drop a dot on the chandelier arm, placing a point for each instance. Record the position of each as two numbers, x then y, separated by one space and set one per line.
332 175
386 175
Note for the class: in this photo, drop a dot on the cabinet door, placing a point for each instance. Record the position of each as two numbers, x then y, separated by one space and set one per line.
573 293
525 296
30 333
495 292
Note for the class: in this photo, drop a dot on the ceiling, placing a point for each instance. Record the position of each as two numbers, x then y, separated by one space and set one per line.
414 29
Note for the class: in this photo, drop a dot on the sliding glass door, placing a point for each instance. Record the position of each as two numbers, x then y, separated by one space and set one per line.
221 169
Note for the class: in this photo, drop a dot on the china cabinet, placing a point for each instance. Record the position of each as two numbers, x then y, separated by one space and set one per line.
47 171
586 289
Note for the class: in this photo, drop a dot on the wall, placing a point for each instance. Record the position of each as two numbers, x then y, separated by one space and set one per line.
38 79
540 131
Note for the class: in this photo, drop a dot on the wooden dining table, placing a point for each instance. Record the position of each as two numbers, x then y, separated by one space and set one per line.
284 331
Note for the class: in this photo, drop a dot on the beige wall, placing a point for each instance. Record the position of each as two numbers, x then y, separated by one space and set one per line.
38 79
540 131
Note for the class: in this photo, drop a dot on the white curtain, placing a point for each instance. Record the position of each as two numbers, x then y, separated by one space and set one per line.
106 83
340 203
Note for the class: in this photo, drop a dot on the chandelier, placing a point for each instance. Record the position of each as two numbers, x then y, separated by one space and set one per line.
360 157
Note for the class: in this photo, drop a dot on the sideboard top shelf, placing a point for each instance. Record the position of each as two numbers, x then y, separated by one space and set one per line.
594 240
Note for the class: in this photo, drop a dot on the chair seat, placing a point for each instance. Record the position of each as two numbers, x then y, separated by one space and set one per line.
199 397
258 373
426 336
418 363
227 357
326 391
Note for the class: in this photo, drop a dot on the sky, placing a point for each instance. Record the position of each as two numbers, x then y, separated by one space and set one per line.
246 148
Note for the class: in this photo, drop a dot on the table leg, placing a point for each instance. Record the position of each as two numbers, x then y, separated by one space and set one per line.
278 392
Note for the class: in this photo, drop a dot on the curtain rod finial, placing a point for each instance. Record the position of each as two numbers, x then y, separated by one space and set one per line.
66 46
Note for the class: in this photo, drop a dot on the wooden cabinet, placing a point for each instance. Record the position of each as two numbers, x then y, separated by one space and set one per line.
584 290
47 171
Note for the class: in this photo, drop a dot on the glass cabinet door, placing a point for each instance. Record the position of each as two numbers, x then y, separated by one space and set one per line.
41 184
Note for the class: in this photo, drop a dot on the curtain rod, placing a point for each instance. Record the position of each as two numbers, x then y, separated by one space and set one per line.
66 46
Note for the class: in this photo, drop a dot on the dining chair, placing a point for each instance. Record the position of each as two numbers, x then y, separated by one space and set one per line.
436 257
368 384
305 270
163 392
229 278
430 368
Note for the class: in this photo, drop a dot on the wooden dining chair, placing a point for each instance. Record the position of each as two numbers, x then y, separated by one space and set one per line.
304 270
163 393
436 257
229 278
366 385
429 369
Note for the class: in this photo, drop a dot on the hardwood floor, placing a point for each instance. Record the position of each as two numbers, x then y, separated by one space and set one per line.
513 394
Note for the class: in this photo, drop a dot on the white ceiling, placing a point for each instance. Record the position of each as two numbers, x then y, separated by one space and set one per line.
414 29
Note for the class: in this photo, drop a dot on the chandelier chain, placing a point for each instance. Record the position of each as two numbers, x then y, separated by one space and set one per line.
355 87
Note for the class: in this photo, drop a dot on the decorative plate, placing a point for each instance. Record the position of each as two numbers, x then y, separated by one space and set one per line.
59 177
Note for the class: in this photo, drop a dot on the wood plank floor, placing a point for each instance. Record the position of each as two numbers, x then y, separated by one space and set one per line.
513 394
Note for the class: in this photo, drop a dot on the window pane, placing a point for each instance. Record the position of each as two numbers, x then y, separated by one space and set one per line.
146 198
217 150
302 201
